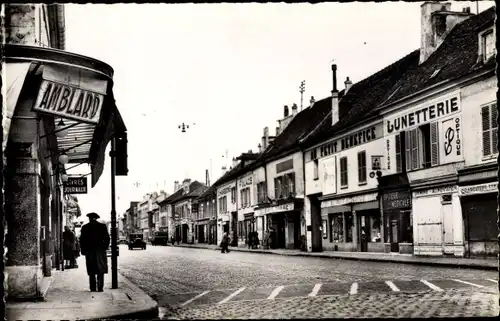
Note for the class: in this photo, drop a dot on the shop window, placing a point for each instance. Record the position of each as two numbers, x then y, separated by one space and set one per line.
315 169
349 224
406 226
489 116
343 172
362 167
337 228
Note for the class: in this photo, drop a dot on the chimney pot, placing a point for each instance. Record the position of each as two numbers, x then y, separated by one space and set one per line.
285 112
348 85
294 109
312 101
334 76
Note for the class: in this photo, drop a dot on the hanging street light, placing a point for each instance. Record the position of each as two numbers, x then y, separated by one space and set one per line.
61 131
63 158
183 127
64 177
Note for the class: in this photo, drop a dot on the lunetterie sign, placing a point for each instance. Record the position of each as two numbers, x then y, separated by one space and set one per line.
69 102
75 185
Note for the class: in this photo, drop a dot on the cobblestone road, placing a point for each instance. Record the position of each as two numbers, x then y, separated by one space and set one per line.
198 283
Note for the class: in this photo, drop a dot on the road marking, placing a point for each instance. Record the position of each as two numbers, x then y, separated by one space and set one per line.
392 286
465 282
354 288
432 286
275 292
232 295
192 299
494 281
315 290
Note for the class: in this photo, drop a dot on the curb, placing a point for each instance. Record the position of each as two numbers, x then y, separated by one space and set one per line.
471 265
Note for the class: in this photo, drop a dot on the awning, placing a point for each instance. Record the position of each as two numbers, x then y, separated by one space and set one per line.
74 88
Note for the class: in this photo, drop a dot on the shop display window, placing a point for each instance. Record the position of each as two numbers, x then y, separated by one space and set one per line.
349 224
374 227
337 228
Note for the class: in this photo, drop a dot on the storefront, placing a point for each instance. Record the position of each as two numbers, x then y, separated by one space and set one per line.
202 231
437 217
212 228
397 220
351 223
283 222
59 109
479 210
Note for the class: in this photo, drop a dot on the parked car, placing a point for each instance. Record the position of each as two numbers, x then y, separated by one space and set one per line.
122 240
160 238
136 240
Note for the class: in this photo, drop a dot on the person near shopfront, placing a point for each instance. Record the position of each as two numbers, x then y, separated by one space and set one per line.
224 244
266 240
94 241
77 251
68 244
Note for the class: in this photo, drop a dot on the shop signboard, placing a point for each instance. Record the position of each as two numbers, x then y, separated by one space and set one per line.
436 190
75 185
396 200
275 209
478 189
450 147
350 200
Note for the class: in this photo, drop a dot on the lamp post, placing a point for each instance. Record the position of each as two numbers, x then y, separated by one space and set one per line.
114 258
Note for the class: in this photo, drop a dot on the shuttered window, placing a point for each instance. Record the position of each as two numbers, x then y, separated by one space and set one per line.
343 172
434 144
399 160
415 156
408 150
489 116
291 183
362 167
315 169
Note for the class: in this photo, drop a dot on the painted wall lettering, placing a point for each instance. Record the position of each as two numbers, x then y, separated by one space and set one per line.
388 145
450 146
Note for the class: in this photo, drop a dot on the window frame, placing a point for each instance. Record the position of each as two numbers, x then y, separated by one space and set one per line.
362 170
316 169
492 148
344 172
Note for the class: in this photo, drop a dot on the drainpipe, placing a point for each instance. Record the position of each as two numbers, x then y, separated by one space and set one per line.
267 195
304 206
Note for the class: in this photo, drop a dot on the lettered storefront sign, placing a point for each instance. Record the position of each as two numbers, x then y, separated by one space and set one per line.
71 93
450 140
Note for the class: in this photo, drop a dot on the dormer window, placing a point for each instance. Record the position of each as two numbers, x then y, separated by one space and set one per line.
487 47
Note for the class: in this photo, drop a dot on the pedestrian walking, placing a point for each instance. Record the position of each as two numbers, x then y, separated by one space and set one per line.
94 241
77 251
266 240
224 243
68 244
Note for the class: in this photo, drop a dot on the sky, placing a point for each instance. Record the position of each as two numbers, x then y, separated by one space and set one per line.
227 71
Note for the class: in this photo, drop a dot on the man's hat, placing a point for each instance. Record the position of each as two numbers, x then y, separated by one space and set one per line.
90 215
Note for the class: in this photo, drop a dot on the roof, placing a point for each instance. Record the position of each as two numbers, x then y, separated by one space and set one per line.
359 102
195 187
455 58
208 192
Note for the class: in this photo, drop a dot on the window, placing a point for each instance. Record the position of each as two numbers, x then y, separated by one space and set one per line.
245 197
284 186
421 147
343 172
315 169
490 127
362 167
233 195
488 41
223 204
337 228
261 193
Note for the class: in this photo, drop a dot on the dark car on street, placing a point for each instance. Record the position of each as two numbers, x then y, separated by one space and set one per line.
136 240
160 238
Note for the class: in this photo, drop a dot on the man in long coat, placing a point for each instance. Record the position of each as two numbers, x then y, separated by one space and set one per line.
94 241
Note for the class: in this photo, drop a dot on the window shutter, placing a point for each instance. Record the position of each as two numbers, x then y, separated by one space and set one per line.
292 183
485 115
414 149
397 142
434 144
276 188
408 150
494 128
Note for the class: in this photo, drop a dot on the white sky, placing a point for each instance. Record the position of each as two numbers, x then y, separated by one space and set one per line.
227 68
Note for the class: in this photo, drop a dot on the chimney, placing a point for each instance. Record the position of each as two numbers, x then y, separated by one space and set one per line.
265 138
260 148
437 20
312 101
335 97
207 178
277 131
235 162
224 170
176 186
285 112
294 110
348 85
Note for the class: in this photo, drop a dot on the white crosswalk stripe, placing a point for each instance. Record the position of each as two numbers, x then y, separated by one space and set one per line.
192 299
275 292
315 290
469 283
232 295
354 288
432 286
392 286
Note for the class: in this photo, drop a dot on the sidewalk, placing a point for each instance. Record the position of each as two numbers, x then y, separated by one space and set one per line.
485 264
69 298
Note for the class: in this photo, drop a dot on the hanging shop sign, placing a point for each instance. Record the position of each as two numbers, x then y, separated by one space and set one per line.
75 185
436 191
450 132
70 92
275 209
423 113
396 200
478 189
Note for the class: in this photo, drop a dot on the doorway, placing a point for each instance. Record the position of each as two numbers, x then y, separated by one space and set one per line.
392 229
316 225
185 229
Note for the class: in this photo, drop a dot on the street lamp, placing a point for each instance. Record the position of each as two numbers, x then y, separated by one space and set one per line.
183 127
64 177
63 158
61 131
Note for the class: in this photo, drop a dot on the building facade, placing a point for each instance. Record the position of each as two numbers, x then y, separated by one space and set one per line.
226 210
38 141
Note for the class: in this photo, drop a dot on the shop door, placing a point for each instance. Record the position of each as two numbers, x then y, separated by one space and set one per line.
281 233
393 230
184 233
447 211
